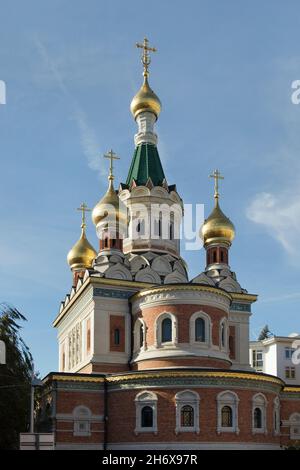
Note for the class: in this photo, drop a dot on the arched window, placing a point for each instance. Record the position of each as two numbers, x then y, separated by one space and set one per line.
147 417
226 417
140 228
82 419
146 412
221 256
227 412
200 330
187 411
294 422
166 330
187 416
259 404
257 418
141 336
214 256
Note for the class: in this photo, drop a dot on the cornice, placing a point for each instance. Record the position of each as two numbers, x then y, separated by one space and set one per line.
180 287
196 374
243 297
74 378
291 390
102 281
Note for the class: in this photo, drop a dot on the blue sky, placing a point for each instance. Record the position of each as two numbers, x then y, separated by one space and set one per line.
223 72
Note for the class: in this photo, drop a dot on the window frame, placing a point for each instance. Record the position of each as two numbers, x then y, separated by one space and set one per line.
259 401
158 331
81 419
187 398
208 330
143 399
230 399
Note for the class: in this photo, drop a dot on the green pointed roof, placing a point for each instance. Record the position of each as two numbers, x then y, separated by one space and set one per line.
146 164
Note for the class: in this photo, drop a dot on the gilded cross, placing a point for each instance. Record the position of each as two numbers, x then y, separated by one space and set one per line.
146 59
83 208
217 176
111 156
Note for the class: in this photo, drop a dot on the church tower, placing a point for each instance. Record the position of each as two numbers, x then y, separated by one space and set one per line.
155 208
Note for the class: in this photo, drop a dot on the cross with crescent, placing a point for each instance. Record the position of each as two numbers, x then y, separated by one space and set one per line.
146 59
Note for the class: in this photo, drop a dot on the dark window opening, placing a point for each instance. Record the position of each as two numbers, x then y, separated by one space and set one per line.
200 330
226 417
257 418
147 417
141 336
117 336
166 330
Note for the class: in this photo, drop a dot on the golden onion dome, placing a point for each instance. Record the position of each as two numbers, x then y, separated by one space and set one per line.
145 100
217 228
110 207
82 255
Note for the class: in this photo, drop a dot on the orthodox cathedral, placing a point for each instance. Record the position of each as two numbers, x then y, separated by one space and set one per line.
148 358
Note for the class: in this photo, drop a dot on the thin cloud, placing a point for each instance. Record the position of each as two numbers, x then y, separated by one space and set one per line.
282 298
279 215
88 138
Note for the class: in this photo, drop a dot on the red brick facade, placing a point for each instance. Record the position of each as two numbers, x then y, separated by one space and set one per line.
115 396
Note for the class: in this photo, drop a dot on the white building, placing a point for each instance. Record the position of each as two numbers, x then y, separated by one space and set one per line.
279 356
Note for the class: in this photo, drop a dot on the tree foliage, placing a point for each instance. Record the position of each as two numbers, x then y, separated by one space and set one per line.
15 379
265 333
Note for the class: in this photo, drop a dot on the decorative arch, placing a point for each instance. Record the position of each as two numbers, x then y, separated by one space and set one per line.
82 421
158 329
294 422
230 285
227 408
175 277
139 332
208 329
118 271
147 275
259 414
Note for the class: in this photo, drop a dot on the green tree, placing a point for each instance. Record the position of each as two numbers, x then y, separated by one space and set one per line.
15 379
265 333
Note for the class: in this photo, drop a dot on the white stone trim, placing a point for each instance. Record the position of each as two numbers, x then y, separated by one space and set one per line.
223 323
259 401
158 332
140 322
208 330
183 398
82 415
231 399
142 399
294 422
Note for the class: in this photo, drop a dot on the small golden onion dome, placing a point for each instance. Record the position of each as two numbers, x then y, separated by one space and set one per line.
217 228
82 255
110 207
145 100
